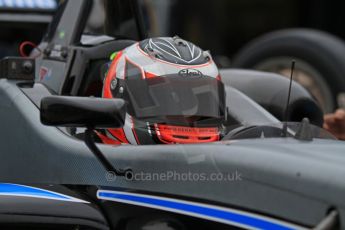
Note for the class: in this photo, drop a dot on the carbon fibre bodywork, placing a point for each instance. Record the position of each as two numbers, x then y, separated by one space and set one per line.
282 177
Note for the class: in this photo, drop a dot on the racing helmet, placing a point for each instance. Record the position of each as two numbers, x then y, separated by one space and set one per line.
173 93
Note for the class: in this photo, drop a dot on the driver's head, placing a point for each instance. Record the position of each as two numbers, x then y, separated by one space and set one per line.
173 92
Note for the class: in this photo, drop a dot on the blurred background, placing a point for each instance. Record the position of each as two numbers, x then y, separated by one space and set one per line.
256 34
223 26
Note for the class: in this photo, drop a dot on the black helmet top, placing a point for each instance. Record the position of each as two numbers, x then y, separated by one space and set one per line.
175 50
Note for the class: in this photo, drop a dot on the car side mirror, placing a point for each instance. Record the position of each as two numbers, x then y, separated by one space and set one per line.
87 112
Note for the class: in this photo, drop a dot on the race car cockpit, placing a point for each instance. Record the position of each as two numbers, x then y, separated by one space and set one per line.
75 60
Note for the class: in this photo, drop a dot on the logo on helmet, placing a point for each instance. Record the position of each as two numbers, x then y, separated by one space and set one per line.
190 73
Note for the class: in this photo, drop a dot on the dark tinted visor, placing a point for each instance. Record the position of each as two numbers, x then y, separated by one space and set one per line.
173 95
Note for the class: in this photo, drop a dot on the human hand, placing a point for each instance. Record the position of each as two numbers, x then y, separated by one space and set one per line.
335 123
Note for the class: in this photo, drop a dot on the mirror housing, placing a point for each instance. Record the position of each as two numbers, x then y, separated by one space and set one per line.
87 112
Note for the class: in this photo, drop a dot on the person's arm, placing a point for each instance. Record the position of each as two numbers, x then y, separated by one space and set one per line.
335 123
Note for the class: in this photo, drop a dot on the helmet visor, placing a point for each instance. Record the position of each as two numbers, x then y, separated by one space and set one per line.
173 95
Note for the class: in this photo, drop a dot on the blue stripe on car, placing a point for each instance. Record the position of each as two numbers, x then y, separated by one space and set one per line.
210 212
29 4
7 189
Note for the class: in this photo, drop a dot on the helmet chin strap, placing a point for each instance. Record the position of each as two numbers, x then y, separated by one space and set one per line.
90 143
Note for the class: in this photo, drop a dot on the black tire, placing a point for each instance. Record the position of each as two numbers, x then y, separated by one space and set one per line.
322 54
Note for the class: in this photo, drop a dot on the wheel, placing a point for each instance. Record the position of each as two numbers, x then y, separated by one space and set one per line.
320 61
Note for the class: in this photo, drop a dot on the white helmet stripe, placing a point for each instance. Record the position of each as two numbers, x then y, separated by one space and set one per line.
172 48
171 44
161 68
128 129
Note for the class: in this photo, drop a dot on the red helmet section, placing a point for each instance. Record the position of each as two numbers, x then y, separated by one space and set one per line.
169 134
157 132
